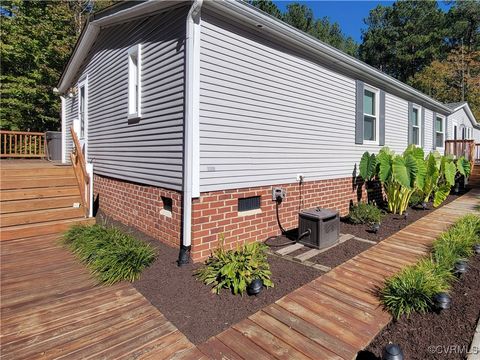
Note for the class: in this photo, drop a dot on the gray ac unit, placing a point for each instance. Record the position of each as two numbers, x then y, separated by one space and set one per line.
323 225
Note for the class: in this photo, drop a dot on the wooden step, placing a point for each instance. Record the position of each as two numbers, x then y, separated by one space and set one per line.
39 193
38 204
37 182
39 216
57 171
34 230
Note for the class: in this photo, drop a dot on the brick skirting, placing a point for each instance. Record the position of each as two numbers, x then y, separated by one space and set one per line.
140 206
215 213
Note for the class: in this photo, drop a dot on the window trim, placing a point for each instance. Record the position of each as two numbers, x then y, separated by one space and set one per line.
377 115
436 132
135 51
419 122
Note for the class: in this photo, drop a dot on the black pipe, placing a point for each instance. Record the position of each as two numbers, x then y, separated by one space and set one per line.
184 255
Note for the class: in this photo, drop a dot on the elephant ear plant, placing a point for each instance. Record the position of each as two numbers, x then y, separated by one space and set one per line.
409 173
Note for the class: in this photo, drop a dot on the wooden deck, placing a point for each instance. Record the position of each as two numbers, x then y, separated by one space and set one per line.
52 309
337 314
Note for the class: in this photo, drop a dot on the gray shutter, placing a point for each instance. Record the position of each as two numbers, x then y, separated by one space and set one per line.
359 113
381 140
434 136
423 128
410 128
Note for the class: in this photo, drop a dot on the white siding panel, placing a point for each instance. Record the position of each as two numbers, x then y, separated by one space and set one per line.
428 130
150 151
268 114
462 120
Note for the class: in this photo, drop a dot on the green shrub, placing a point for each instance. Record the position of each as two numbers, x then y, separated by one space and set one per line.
415 199
414 287
364 213
235 269
109 253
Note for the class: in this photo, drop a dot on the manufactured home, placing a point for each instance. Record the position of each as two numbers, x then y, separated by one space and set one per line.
192 113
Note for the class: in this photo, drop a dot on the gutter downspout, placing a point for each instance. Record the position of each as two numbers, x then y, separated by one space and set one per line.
64 130
192 89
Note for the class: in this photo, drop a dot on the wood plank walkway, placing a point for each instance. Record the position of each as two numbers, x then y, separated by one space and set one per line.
51 308
337 314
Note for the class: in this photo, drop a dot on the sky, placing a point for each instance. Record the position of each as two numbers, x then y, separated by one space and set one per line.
349 14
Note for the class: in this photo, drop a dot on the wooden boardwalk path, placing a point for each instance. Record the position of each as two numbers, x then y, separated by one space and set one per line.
337 314
51 308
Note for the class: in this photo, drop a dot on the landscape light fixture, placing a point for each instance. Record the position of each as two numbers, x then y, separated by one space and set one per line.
460 267
405 216
424 205
376 227
442 301
476 248
255 287
392 352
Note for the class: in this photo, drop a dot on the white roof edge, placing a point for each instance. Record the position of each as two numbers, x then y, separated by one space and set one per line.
239 9
310 43
91 31
469 112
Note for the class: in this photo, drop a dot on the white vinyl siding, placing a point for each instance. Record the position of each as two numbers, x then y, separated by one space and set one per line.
150 150
428 146
268 114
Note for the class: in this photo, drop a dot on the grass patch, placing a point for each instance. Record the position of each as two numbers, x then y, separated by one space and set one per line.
364 213
413 288
109 253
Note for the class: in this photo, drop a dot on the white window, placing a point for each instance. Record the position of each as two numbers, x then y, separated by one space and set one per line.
439 132
416 126
134 82
370 115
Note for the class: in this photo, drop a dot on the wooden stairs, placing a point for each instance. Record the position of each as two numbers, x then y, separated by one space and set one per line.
38 198
474 180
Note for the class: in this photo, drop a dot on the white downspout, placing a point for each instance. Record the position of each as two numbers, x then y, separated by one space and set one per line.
191 155
64 130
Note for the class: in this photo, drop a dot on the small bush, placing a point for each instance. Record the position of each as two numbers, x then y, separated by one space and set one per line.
235 269
414 287
364 213
109 253
415 199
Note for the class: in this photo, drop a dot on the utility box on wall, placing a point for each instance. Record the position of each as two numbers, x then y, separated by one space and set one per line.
323 224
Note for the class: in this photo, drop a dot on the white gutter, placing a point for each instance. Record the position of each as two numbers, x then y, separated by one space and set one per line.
329 54
192 90
64 131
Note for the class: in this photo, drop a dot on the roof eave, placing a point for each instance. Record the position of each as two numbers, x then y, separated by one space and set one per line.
327 52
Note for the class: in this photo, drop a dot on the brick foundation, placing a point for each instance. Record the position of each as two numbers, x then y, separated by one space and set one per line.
140 206
215 213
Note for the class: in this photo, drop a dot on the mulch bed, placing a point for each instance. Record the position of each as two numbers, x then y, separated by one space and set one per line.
191 306
390 223
447 335
341 253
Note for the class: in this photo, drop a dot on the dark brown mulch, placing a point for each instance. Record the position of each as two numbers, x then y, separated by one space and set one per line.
390 223
191 306
341 253
436 336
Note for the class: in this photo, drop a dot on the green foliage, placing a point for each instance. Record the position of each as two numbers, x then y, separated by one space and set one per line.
109 253
416 199
413 289
368 163
409 173
301 17
463 166
235 269
35 45
364 213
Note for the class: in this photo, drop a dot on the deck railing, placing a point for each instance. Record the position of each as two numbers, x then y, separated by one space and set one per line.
22 144
460 148
80 169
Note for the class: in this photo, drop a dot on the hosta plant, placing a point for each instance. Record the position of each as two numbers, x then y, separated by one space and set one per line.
235 269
